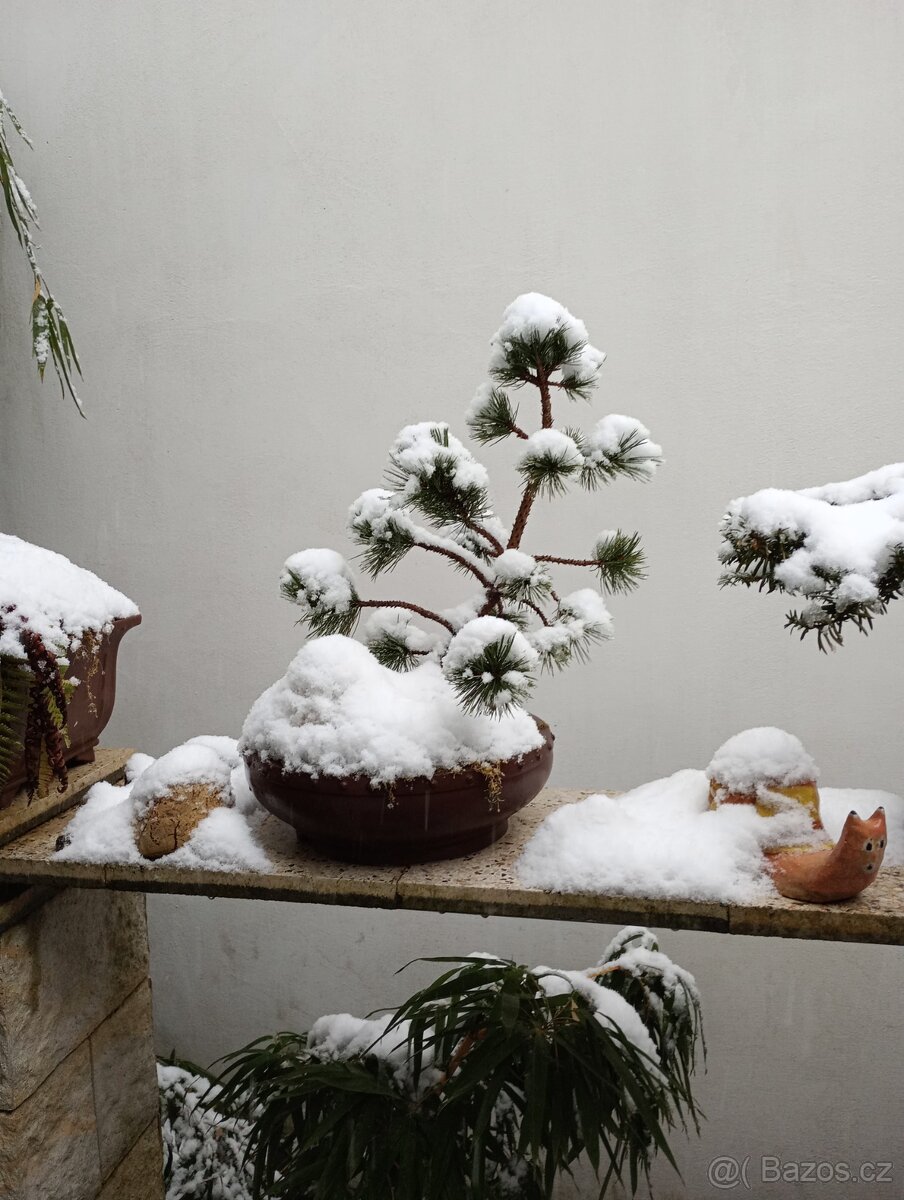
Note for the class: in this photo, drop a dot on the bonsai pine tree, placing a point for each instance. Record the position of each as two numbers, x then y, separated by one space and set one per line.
437 501
839 547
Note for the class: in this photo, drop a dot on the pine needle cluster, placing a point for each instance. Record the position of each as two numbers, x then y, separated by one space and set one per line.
754 558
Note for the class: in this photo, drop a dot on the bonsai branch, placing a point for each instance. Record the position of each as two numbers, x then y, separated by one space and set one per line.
542 382
566 562
527 500
460 559
479 529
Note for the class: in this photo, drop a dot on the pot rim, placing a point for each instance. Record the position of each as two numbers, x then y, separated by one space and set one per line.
446 779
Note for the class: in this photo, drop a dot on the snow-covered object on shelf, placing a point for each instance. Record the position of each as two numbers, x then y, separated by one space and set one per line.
177 792
105 829
837 872
338 712
54 598
60 629
758 760
839 547
667 840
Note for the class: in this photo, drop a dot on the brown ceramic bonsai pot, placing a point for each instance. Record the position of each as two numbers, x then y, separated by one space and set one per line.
90 704
415 820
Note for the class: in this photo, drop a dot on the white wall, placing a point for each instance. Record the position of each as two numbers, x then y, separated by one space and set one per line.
282 230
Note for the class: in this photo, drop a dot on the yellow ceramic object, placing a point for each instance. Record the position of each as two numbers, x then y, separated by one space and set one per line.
805 794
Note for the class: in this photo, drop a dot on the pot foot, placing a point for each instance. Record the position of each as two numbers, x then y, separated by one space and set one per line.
400 854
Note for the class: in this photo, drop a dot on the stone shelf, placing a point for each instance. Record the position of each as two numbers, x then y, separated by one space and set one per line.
484 884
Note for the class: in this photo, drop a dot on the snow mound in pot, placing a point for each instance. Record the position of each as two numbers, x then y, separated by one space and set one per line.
338 712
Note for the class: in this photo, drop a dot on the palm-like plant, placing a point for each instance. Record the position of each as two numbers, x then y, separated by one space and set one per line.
489 1083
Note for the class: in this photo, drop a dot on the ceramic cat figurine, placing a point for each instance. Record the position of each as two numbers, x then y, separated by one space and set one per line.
822 876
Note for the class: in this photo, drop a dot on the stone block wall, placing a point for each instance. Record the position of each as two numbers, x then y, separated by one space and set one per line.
78 1093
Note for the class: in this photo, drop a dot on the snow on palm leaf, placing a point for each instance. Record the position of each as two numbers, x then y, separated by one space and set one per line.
840 547
437 500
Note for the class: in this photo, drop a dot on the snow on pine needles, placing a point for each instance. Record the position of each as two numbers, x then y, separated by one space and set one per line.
839 547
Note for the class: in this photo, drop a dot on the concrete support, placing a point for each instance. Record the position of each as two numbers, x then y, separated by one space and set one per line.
78 1095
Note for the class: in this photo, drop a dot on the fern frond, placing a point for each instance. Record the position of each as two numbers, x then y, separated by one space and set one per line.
15 688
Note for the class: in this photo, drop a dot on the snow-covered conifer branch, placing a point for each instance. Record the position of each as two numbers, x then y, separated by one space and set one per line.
492 416
550 460
617 559
581 620
379 521
490 664
840 547
321 584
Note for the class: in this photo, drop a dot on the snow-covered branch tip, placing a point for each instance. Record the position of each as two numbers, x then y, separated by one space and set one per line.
437 500
839 547
50 335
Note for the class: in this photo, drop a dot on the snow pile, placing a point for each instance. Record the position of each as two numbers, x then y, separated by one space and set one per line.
659 840
662 841
752 761
397 623
634 949
203 1151
341 1037
52 597
103 828
515 566
848 531
478 635
338 712
536 315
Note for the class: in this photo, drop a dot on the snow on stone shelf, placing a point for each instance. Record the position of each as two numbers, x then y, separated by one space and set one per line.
53 597
338 712
661 841
103 828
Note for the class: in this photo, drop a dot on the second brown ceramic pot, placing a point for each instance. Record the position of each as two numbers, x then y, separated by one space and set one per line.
90 705
415 820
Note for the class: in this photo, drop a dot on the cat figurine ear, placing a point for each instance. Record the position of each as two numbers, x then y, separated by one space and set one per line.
821 876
